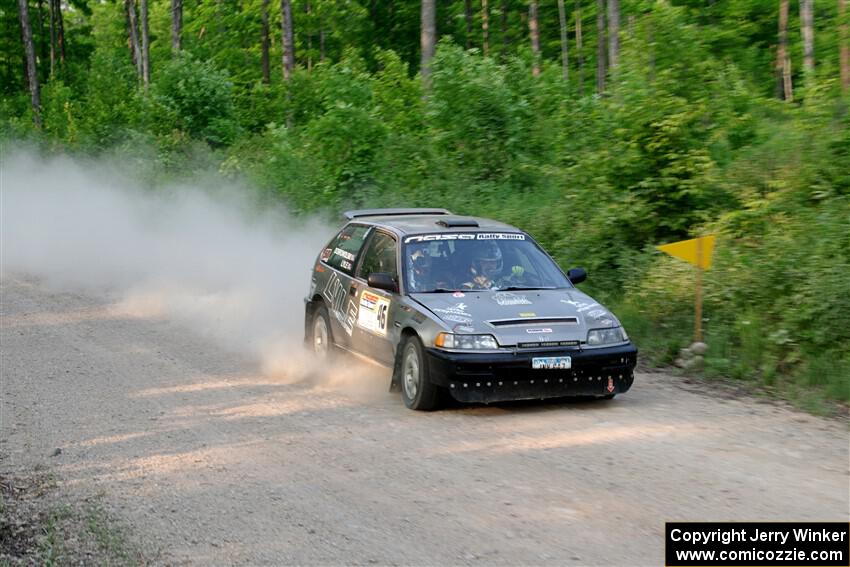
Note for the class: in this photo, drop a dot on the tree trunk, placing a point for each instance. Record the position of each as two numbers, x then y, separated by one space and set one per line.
146 60
467 15
50 6
309 11
133 35
428 38
565 60
265 43
506 38
807 30
650 39
783 61
485 27
579 54
43 39
843 46
600 46
613 33
534 32
29 55
286 39
177 24
60 31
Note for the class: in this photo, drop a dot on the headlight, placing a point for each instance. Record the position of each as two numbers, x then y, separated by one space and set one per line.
466 342
596 337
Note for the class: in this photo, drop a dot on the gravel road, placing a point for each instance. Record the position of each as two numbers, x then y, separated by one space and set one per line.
213 461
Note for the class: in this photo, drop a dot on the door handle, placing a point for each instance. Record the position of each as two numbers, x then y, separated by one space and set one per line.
352 290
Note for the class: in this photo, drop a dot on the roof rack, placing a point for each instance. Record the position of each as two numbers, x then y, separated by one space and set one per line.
349 215
457 222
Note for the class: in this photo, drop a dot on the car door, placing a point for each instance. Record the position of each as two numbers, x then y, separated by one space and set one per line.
373 333
338 289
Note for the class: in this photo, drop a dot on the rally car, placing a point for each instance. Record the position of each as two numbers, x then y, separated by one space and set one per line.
468 306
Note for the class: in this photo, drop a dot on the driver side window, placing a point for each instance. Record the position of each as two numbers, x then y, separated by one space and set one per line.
380 256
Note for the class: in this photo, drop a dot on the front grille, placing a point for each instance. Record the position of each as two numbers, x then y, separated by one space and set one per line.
538 344
534 321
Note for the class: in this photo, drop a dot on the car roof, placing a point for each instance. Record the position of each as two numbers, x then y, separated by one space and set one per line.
413 223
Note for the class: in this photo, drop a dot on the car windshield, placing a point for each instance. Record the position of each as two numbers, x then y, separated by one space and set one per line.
439 263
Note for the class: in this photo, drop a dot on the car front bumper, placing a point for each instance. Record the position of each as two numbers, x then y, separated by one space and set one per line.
495 377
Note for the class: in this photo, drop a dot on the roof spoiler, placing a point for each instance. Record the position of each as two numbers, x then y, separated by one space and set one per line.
350 215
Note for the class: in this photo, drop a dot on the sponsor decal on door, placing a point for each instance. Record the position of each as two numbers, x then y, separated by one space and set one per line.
373 313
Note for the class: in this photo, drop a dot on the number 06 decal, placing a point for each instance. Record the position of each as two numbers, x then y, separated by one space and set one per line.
373 313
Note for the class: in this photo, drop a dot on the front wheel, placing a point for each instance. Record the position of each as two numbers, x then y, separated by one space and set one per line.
417 391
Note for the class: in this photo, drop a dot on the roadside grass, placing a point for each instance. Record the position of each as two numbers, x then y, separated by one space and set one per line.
41 526
748 356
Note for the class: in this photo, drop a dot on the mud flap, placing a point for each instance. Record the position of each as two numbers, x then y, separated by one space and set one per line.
395 382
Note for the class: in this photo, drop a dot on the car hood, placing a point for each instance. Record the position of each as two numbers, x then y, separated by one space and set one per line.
516 317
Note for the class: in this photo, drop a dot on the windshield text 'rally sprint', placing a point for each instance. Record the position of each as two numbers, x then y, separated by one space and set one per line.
466 236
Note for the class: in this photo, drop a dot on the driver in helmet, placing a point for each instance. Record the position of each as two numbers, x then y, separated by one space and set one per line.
486 267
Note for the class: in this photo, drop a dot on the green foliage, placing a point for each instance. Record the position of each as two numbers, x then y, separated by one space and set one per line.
196 97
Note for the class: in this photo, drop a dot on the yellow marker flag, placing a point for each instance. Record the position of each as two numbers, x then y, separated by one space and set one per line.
696 251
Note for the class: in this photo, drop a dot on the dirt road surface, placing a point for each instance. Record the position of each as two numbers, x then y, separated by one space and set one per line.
212 461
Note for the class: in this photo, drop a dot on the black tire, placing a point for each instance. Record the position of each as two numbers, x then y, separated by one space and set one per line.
417 391
321 317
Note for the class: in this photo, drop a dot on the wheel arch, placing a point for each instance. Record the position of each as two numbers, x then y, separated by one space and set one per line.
309 310
407 331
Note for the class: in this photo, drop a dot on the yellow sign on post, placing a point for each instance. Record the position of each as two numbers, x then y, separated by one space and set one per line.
696 251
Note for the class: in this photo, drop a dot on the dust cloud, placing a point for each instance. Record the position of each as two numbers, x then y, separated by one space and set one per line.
205 254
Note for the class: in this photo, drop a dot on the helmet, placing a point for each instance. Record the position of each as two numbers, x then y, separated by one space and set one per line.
489 260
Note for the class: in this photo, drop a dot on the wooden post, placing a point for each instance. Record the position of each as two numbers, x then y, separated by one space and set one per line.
698 299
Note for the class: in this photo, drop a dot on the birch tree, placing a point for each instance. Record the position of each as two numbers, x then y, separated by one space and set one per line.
534 32
177 24
265 42
467 15
613 33
286 39
428 38
843 47
562 21
485 27
807 31
29 56
600 46
579 52
133 35
783 60
146 59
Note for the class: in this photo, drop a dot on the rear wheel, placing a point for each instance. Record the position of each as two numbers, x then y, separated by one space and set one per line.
321 340
417 391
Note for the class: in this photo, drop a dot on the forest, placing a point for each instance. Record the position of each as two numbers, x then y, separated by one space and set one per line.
602 127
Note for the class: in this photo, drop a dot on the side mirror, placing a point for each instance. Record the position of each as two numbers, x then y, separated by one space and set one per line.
383 280
577 275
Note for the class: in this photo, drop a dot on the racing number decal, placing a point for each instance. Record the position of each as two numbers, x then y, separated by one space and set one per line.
382 317
373 313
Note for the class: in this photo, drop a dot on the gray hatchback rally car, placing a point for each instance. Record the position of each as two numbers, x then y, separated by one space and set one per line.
465 305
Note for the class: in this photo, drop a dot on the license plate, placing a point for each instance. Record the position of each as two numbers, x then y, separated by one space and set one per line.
552 363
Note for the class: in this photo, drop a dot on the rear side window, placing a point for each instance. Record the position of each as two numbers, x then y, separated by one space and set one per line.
380 256
342 251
